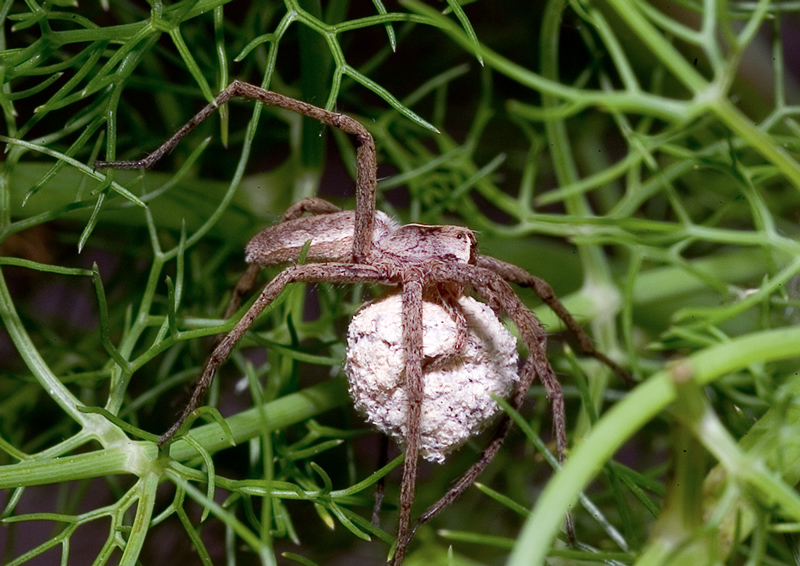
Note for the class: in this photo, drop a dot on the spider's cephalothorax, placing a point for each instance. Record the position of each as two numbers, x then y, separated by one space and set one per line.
422 264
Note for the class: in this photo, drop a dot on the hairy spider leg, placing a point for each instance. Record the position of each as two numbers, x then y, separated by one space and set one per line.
311 205
412 344
542 288
493 288
308 273
243 287
366 160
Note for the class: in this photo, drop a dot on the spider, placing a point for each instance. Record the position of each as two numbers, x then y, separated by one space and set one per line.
423 264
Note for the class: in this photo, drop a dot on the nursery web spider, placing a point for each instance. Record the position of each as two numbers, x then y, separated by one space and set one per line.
436 264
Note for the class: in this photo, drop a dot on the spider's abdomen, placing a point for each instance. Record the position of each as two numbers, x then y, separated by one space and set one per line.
331 237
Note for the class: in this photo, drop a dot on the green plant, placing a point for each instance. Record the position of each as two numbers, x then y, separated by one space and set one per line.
637 136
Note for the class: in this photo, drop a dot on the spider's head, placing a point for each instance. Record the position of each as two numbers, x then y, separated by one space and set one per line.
421 242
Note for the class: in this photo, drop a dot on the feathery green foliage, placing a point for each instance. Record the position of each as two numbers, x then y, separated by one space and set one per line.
640 157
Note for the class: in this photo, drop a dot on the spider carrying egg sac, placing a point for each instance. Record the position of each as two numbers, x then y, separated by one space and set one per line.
457 385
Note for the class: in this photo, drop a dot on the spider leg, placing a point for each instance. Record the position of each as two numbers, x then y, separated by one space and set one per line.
542 288
312 205
310 273
243 287
492 287
380 487
366 161
412 344
448 299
